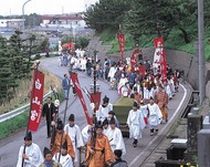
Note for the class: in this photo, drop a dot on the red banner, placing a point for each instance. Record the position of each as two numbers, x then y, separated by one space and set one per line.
78 89
121 41
96 99
160 57
36 101
134 58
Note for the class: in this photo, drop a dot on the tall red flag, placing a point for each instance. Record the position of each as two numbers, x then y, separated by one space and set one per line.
160 57
78 89
36 101
121 41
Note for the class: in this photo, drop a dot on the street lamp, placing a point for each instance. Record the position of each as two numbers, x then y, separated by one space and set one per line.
23 12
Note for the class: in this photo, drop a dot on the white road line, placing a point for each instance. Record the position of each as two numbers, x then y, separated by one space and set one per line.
163 129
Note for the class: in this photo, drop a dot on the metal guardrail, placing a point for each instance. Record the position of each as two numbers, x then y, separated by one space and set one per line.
19 110
44 54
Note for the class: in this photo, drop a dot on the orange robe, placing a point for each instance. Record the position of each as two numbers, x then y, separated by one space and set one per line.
161 98
102 154
57 144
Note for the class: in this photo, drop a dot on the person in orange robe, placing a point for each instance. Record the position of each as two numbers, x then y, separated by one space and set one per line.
99 153
57 141
161 98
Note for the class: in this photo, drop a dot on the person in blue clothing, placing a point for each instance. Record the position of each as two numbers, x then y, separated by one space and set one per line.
66 85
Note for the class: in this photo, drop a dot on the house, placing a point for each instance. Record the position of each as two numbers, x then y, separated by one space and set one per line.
69 21
12 23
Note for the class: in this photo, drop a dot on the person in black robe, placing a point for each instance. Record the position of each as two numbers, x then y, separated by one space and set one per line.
48 111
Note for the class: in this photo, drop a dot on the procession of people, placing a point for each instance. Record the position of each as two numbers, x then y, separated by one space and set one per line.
102 140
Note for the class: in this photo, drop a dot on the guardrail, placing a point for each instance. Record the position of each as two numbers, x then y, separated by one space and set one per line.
44 54
19 110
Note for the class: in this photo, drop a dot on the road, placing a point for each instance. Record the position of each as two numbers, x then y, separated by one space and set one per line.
135 156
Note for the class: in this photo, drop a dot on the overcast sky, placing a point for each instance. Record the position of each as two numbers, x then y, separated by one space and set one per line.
14 7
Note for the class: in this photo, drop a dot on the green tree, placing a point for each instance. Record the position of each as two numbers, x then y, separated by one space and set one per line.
149 17
7 80
106 14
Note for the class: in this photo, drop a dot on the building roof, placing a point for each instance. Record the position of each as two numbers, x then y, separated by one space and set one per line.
63 17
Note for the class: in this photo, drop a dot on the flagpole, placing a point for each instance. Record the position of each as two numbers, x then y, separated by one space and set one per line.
34 76
64 120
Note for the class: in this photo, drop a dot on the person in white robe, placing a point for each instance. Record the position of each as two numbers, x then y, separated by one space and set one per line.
32 156
144 110
112 72
65 159
135 123
168 89
75 134
86 133
123 81
104 109
154 116
115 137
105 127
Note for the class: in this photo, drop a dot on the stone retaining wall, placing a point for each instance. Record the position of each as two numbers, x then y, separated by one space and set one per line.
182 61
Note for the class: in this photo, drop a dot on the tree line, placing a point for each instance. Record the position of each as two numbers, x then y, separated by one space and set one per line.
16 61
142 17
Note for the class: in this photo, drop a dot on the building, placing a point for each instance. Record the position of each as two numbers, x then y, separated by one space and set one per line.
69 21
11 23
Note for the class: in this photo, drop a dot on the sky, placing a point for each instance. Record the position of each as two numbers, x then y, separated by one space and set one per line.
14 7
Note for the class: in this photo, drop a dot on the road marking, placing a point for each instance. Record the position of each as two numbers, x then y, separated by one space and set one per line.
163 129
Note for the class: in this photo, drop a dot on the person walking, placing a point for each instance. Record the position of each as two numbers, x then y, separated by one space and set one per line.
32 156
48 161
66 86
154 116
118 160
75 134
135 122
49 111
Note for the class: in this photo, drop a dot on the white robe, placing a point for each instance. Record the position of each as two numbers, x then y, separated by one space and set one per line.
155 115
35 156
86 134
112 72
102 112
116 139
65 161
135 123
76 138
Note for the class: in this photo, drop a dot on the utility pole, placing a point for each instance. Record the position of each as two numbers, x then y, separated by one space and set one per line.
201 62
23 13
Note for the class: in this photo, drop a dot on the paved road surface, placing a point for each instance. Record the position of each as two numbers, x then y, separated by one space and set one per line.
10 146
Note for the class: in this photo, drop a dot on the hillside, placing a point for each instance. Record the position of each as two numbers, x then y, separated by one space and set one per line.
174 41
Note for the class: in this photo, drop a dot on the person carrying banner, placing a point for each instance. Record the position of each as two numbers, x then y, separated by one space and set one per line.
48 111
32 156
99 151
60 138
48 161
75 134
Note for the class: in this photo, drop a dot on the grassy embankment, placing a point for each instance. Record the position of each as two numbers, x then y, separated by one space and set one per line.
13 125
174 41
